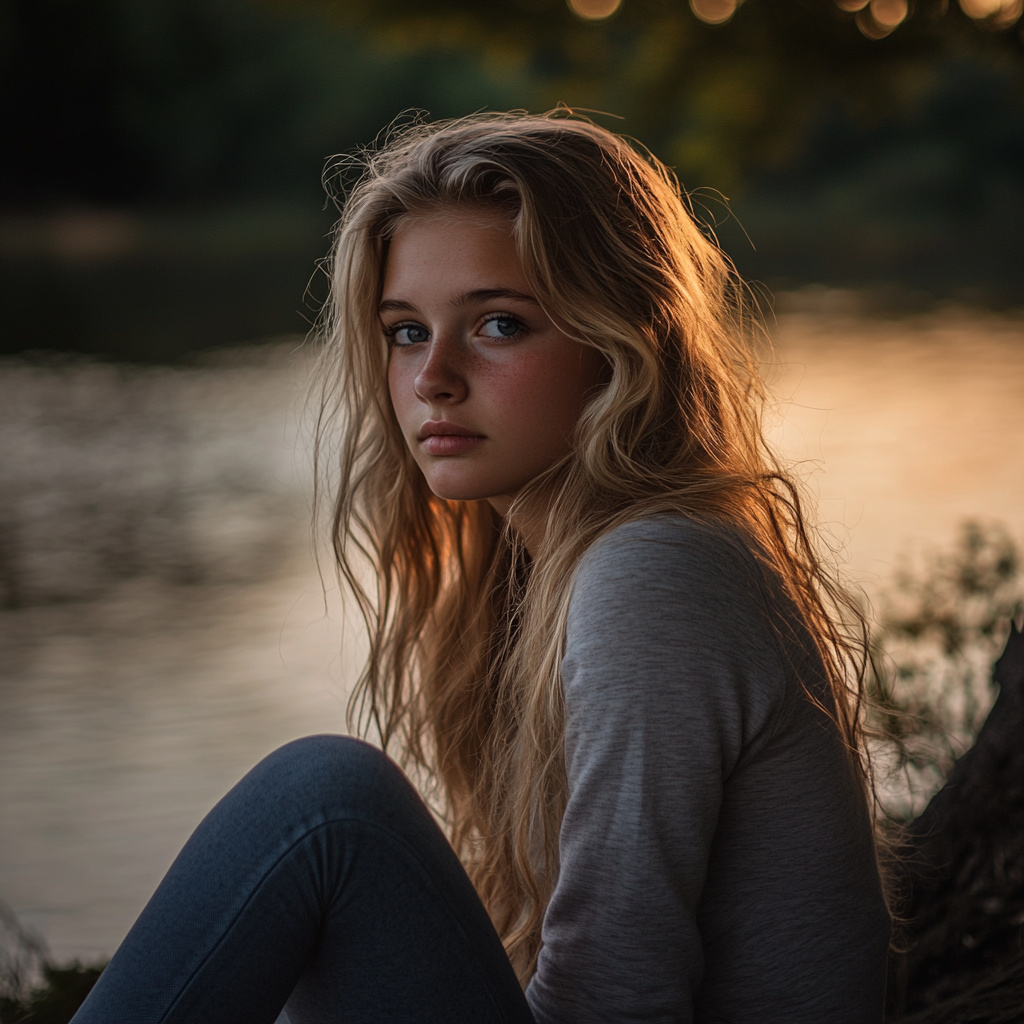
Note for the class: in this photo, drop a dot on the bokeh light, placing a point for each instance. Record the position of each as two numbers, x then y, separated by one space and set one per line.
1008 14
877 18
980 8
880 17
888 13
998 13
594 10
714 12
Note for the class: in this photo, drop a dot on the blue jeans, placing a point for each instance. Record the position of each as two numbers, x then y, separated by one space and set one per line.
322 882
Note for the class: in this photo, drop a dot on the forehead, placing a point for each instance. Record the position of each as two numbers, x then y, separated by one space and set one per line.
464 246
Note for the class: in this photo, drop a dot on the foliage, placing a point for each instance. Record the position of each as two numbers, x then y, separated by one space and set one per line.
188 99
931 196
941 623
56 1000
716 100
34 989
131 100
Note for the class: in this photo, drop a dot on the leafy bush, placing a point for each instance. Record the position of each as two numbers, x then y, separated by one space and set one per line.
34 989
941 623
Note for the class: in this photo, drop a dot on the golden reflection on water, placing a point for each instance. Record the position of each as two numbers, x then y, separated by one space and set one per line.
125 721
902 429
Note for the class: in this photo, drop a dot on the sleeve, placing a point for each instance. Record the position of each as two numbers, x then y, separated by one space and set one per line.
670 673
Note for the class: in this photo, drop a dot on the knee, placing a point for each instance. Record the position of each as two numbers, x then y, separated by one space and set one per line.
335 771
331 758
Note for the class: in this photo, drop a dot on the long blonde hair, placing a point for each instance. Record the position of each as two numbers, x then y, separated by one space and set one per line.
465 628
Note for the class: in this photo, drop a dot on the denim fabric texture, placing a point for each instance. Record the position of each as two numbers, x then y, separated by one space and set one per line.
320 886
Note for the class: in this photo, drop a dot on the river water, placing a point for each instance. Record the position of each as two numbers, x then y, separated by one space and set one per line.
171 628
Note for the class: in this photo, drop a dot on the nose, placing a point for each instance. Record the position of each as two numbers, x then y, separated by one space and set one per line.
440 377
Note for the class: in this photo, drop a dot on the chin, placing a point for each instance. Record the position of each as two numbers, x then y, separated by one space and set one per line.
452 491
465 490
460 495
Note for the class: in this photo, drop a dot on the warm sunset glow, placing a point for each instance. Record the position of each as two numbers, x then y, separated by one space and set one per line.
594 10
714 12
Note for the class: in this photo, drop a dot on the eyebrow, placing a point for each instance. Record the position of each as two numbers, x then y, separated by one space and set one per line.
478 295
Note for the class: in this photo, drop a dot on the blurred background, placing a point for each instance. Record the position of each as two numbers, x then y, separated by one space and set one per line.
162 219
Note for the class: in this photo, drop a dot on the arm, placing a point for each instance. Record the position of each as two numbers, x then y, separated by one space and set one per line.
670 673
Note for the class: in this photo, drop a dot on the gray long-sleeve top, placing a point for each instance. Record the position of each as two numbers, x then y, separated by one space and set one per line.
717 862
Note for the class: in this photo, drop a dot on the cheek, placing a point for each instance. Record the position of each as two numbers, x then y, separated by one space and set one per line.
516 388
543 397
400 388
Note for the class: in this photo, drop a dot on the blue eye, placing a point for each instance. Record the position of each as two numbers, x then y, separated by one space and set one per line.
408 334
502 327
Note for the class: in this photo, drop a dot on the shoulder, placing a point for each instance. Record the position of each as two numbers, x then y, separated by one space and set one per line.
649 564
675 616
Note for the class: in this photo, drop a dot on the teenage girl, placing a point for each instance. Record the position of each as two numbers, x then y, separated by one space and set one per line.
599 638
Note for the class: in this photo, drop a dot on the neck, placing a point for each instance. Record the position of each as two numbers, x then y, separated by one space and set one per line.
529 523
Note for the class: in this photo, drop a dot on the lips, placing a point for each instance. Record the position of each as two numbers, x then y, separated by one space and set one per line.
439 437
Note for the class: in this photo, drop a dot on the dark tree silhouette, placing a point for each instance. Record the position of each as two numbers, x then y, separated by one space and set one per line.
963 938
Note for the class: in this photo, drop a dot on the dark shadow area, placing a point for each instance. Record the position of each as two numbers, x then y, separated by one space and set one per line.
960 956
160 177
161 172
179 284
35 989
926 204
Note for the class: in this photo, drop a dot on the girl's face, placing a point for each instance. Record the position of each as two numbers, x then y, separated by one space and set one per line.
486 387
